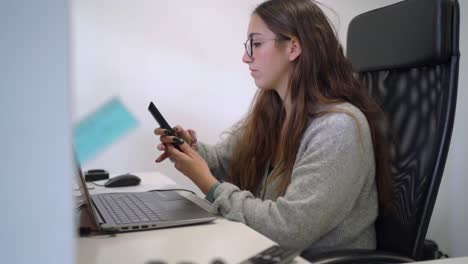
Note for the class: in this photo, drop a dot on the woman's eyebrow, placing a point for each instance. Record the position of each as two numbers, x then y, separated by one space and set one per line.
254 34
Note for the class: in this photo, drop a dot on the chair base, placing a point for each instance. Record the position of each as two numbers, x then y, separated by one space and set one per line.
357 256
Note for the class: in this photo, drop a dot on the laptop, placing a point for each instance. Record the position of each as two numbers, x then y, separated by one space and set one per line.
133 211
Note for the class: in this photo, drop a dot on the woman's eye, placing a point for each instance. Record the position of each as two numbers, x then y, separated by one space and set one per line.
256 44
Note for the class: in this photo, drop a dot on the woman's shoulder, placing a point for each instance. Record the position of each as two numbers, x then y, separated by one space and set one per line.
336 130
340 119
337 112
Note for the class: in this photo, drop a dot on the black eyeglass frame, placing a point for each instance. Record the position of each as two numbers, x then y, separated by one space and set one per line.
248 44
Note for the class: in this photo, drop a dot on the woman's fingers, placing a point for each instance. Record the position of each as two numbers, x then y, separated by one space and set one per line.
161 147
193 139
186 149
164 132
188 136
193 135
171 140
166 139
182 133
159 131
169 132
162 157
175 153
177 136
178 129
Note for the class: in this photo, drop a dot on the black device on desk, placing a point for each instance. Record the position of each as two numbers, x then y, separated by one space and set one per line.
273 255
96 175
161 121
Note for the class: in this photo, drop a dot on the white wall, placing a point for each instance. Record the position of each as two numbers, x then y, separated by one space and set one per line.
183 55
35 133
454 189
186 56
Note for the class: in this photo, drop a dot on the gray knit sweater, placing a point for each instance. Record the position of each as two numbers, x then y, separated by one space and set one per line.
331 202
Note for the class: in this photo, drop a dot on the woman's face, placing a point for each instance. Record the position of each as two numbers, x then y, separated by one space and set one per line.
269 64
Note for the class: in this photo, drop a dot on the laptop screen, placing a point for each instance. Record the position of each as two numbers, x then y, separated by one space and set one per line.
83 190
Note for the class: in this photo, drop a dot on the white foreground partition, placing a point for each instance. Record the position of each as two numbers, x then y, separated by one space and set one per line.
35 133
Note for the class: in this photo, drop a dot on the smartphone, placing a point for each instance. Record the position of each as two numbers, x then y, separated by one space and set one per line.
161 121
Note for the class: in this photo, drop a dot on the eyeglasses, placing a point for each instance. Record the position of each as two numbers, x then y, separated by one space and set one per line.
249 44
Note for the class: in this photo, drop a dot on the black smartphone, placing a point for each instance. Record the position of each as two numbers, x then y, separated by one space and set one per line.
161 121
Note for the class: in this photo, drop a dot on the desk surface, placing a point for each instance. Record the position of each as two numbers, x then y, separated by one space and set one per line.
222 239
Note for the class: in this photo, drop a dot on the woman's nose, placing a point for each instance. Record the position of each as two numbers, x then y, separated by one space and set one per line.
246 58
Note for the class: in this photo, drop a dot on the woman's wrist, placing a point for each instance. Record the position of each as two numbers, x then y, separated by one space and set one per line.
206 183
210 195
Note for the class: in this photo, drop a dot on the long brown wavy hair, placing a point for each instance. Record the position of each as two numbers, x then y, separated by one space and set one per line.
321 75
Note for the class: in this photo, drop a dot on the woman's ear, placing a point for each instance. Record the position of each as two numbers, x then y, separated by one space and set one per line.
295 49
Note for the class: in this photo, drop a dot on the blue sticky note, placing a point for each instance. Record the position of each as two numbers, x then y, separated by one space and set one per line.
100 129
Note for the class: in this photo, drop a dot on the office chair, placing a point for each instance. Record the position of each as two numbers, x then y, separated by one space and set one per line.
407 55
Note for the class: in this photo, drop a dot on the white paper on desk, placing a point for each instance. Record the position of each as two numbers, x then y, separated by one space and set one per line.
158 181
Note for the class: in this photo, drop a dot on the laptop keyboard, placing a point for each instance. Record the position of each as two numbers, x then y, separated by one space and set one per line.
127 208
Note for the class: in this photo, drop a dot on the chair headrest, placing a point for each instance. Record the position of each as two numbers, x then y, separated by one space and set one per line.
411 33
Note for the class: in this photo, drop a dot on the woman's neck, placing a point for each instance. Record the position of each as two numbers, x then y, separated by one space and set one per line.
285 96
283 92
282 88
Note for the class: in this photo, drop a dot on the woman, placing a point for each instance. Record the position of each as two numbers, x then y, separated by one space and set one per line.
304 166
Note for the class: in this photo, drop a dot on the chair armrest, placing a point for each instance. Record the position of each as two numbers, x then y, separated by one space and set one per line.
355 256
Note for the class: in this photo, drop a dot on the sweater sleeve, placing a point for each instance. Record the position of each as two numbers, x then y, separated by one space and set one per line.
326 180
218 156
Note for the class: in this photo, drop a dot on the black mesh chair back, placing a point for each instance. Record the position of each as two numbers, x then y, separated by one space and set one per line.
407 54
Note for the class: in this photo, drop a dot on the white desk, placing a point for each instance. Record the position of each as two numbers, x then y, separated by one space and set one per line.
227 240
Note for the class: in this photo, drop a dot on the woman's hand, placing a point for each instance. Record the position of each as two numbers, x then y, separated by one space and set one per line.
189 136
190 163
187 160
